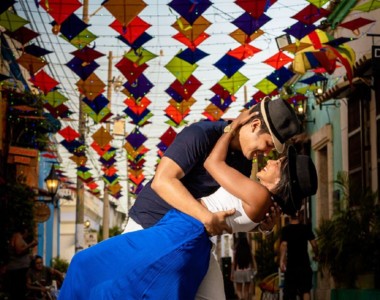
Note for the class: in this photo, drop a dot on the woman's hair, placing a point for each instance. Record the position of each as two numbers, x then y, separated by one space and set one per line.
33 261
281 192
243 254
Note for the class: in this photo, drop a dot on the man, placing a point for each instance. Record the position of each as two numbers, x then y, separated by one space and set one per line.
294 258
181 178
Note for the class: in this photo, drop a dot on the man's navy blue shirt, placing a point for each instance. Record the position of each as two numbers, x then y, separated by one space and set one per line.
189 150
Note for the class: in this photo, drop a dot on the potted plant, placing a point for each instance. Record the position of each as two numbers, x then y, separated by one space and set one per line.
348 241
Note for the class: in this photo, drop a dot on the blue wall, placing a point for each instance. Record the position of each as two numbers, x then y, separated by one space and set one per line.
46 236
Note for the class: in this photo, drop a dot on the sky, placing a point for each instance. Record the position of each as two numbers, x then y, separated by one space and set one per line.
161 17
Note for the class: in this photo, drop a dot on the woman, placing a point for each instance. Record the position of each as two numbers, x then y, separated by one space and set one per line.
243 268
39 279
170 259
19 262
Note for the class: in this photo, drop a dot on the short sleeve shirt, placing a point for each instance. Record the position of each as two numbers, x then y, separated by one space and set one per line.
189 150
297 237
43 277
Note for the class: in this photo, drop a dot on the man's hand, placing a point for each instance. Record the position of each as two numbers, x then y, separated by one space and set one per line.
217 225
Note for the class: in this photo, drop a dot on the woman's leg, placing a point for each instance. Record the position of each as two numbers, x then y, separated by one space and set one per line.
212 286
166 260
239 290
246 287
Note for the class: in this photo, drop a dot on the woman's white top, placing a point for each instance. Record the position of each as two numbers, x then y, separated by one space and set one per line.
222 200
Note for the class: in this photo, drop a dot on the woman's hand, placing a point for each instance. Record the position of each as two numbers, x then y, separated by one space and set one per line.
244 117
271 219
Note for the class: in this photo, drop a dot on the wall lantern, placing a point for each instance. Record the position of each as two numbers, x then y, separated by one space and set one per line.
52 182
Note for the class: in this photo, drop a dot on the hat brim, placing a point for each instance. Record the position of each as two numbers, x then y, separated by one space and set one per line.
263 109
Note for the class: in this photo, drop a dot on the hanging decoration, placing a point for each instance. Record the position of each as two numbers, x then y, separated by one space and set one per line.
311 14
132 30
31 63
91 87
23 35
124 11
75 31
60 10
278 60
367 6
11 21
69 134
191 26
323 52
135 154
44 81
355 24
313 50
165 141
35 50
248 25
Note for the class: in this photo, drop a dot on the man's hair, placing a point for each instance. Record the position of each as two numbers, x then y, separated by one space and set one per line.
259 116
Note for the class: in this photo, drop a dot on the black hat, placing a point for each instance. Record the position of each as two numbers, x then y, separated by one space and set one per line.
303 180
281 120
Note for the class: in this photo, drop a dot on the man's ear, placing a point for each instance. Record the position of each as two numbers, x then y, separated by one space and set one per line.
255 124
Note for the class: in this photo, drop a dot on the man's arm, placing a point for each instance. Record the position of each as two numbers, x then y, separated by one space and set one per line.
283 251
167 185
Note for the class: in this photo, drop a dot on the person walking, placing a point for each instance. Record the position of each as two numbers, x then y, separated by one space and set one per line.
244 268
294 258
181 179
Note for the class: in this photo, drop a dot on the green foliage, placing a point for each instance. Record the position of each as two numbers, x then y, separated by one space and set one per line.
113 231
265 254
28 123
60 264
16 208
348 242
17 200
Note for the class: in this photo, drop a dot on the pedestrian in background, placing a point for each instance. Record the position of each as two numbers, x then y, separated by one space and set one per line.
244 268
41 281
294 258
19 262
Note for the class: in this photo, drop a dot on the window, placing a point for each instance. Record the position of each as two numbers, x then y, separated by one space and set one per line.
358 139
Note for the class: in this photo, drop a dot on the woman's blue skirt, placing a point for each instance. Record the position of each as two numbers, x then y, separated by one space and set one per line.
166 261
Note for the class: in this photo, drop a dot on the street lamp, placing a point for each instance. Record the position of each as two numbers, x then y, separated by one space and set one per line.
87 224
52 182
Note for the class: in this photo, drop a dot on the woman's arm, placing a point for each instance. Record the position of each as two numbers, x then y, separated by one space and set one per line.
283 250
20 246
34 286
254 195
